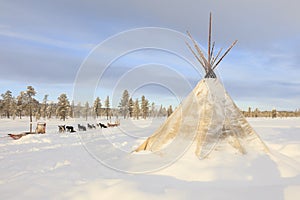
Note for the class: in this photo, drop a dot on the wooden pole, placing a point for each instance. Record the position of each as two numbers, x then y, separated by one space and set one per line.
199 60
225 54
215 58
209 41
212 53
198 50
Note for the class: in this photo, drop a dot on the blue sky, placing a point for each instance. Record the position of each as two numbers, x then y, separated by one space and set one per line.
46 43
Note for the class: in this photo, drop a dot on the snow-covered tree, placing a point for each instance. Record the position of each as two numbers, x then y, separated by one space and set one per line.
44 106
63 107
256 112
153 111
71 111
30 93
21 103
162 111
130 107
50 110
86 110
1 107
144 107
124 104
97 107
13 108
274 113
107 107
6 103
170 110
77 110
136 109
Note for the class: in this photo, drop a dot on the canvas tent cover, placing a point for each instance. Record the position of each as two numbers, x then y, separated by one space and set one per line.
209 118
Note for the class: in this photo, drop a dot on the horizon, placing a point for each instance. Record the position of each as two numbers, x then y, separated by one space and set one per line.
46 45
116 103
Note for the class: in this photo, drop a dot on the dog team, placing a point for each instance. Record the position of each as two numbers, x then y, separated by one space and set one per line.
64 128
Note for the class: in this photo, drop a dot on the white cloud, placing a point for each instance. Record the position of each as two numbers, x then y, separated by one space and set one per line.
44 40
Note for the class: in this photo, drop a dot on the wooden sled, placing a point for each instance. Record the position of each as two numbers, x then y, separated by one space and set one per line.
113 125
18 136
40 129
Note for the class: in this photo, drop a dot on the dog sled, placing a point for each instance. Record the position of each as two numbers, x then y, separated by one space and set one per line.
40 129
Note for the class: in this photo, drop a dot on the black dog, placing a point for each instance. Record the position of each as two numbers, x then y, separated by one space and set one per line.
102 125
81 128
89 126
61 128
70 129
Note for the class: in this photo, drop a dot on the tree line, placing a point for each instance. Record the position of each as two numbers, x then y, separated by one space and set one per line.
26 105
139 108
270 113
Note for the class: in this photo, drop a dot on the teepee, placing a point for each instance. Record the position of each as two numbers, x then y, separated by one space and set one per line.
208 117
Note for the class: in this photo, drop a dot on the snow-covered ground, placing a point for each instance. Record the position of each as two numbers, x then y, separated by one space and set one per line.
98 164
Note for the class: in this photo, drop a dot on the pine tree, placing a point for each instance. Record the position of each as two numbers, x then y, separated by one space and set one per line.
256 112
107 107
6 103
249 112
97 107
1 107
170 110
297 112
63 107
124 104
20 104
136 109
30 93
49 110
37 109
160 114
274 113
86 110
165 112
44 106
153 113
78 110
162 111
13 107
130 107
144 107
71 111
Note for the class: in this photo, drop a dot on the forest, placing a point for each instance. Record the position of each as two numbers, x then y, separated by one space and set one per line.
26 105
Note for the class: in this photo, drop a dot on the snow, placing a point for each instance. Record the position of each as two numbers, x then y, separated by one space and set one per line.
98 164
